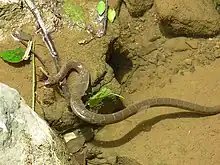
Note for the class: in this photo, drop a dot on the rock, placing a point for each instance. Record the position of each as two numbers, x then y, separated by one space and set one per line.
75 140
24 137
193 43
100 157
188 61
137 8
176 44
153 59
74 145
217 55
186 17
122 160
147 49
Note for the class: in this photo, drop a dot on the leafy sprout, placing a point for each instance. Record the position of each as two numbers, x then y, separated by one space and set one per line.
101 7
111 14
102 94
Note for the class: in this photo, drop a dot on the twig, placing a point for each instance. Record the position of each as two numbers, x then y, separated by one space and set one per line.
48 42
44 71
33 81
46 36
105 21
35 54
19 36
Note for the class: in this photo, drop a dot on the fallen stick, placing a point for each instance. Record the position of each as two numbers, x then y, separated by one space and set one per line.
48 41
33 82
46 36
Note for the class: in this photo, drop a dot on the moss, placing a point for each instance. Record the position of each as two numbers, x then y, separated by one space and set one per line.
73 11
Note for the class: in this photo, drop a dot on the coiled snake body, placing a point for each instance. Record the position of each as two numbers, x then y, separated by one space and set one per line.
80 110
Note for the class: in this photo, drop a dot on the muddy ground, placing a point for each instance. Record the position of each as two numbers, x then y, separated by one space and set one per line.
145 64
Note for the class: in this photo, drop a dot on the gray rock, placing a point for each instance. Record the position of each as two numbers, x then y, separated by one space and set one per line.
24 137
186 17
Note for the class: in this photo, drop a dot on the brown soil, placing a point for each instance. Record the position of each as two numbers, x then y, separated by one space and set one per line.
170 136
159 136
163 135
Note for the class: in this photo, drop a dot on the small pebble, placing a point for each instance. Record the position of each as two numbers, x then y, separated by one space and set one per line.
76 144
217 55
188 61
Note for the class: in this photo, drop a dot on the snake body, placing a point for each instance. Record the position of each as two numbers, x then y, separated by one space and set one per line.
80 110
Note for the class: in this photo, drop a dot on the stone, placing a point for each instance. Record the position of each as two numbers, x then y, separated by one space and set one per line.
188 18
127 161
177 44
137 8
24 137
193 43
188 61
74 145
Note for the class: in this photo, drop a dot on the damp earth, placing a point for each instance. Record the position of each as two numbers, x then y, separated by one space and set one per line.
162 49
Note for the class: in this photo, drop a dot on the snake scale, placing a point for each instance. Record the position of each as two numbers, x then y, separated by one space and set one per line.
80 110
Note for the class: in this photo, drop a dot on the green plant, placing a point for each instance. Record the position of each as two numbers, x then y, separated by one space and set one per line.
100 96
13 56
101 7
73 11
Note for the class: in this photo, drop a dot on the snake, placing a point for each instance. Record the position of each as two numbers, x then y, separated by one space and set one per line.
80 110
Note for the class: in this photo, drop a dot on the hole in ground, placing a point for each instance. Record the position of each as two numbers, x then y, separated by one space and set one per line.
118 59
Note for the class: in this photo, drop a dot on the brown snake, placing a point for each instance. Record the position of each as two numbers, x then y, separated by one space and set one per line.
80 110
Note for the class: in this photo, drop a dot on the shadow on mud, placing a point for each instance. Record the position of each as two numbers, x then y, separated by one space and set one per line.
144 126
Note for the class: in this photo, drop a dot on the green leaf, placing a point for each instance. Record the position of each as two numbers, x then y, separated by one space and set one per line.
13 56
100 7
111 14
100 96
